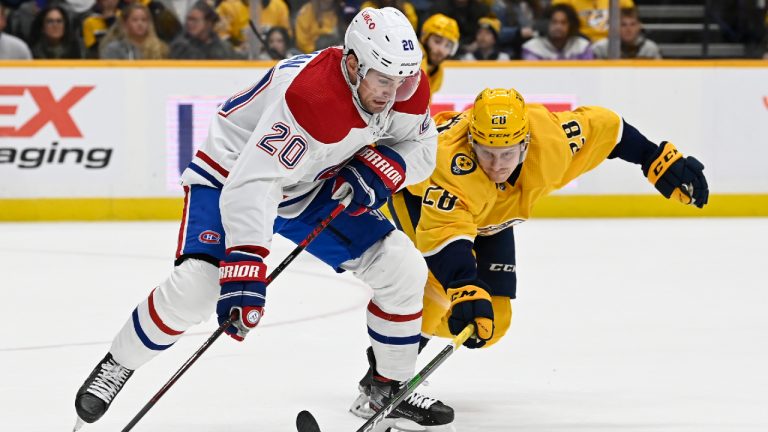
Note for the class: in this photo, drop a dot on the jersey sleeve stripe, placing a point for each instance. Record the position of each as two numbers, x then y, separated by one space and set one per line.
212 163
240 100
206 175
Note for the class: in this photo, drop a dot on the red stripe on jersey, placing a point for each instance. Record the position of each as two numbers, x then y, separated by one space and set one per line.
156 318
321 101
418 103
258 250
372 308
212 163
183 226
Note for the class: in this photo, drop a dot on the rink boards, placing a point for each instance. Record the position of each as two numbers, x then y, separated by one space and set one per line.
108 140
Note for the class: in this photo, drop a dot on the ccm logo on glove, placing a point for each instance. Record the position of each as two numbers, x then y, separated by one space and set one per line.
471 303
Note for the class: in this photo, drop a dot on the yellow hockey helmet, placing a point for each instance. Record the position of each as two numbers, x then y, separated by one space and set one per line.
441 25
499 118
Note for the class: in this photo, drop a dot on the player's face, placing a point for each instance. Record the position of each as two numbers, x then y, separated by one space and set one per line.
438 49
499 162
377 90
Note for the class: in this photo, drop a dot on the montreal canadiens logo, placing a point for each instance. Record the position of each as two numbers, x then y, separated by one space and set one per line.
253 317
210 237
462 164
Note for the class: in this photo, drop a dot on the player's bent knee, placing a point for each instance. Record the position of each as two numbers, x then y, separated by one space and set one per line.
189 295
502 318
397 274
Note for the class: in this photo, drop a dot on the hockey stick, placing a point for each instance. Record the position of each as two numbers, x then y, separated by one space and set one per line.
276 272
305 421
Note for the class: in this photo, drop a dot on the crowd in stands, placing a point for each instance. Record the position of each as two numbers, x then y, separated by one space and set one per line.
488 30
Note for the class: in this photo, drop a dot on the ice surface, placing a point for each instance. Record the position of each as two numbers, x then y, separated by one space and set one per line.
620 325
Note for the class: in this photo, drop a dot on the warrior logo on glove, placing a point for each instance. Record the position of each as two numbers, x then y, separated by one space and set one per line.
253 317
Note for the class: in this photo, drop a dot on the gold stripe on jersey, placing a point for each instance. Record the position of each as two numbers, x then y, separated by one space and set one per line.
461 202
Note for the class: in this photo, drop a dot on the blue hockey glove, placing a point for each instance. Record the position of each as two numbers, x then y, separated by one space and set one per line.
374 174
243 289
471 303
678 177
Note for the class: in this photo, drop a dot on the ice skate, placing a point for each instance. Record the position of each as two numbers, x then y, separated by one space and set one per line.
99 389
416 412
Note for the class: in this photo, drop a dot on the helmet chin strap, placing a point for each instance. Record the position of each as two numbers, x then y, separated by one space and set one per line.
352 87
361 72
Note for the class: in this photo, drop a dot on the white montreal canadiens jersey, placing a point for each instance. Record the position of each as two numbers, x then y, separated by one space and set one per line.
271 145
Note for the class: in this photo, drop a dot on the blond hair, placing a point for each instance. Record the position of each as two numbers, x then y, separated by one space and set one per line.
152 48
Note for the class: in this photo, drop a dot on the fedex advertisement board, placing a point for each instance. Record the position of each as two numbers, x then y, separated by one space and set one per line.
127 131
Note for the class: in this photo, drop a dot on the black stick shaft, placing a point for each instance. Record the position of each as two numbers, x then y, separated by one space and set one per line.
277 270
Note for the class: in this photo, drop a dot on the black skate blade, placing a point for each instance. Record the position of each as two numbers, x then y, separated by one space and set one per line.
305 422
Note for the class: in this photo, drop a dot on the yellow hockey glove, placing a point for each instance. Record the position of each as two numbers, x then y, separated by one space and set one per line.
471 303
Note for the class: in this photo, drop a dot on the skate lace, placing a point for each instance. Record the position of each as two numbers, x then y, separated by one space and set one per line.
110 380
420 400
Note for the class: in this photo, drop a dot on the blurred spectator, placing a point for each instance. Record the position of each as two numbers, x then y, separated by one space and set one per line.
233 20
11 47
520 20
594 15
275 13
562 41
403 6
19 20
279 45
465 12
166 23
485 46
103 15
52 36
135 37
440 40
634 44
319 24
741 21
199 41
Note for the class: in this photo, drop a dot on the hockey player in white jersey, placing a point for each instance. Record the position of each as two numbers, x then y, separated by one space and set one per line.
277 157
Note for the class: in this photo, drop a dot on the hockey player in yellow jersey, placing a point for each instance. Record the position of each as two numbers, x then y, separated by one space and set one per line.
494 162
439 40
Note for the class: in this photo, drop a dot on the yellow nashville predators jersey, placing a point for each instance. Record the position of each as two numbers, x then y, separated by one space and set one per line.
458 201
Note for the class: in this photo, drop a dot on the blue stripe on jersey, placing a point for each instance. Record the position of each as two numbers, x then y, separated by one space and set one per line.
392 340
294 200
236 101
205 174
143 336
